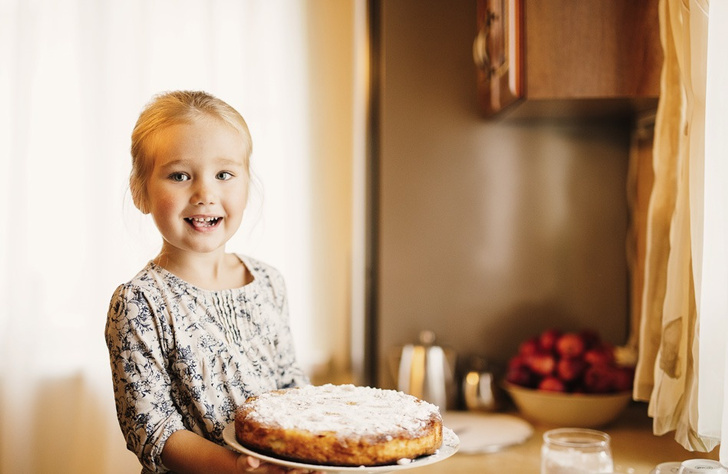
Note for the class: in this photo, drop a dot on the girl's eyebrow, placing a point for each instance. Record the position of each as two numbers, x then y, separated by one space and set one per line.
229 162
218 161
174 163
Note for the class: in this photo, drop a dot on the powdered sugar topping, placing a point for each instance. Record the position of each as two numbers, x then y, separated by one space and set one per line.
348 410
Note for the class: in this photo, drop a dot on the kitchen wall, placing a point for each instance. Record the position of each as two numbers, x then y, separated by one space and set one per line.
490 230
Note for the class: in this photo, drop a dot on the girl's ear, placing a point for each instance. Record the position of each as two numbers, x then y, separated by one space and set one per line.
138 191
140 201
143 206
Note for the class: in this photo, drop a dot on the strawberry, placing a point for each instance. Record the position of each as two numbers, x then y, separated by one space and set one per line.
599 379
570 345
547 339
529 347
521 376
552 384
602 354
542 363
570 370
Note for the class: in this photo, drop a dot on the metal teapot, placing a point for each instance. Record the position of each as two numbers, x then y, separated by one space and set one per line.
427 371
479 387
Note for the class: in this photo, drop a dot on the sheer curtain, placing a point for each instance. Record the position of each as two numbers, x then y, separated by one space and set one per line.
712 247
74 76
684 340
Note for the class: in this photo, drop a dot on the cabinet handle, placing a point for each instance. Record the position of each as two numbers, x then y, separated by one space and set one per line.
480 50
490 51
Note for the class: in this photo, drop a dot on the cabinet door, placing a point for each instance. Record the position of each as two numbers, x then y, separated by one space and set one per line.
571 56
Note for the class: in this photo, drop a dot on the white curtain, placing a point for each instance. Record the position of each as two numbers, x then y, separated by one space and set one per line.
682 369
74 74
711 248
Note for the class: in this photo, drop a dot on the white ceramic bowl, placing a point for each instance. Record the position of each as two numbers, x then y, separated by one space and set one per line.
577 410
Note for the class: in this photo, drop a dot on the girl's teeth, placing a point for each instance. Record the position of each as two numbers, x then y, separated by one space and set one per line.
203 221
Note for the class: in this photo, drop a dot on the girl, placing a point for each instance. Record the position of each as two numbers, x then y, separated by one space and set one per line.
198 330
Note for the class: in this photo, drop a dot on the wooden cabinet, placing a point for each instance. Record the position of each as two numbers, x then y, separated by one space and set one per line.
567 57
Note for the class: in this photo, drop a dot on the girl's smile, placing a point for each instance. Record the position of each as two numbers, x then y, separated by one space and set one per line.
202 223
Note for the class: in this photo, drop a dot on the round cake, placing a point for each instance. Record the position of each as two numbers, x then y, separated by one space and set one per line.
339 425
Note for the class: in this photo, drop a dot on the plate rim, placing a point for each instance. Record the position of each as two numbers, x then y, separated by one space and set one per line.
467 416
450 442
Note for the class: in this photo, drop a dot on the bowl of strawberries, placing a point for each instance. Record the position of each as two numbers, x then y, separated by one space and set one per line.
568 378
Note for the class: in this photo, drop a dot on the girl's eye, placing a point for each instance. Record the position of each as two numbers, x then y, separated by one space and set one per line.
224 175
179 177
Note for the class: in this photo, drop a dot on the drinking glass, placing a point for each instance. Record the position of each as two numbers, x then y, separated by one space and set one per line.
576 451
672 467
698 466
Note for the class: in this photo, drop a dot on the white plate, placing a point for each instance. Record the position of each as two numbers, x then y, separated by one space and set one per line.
449 447
487 432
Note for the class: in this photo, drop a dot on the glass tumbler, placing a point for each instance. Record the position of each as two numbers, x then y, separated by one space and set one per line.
698 466
576 451
672 467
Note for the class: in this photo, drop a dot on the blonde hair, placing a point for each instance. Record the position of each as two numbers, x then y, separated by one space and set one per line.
172 108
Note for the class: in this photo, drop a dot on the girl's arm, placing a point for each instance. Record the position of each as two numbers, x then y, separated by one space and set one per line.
186 452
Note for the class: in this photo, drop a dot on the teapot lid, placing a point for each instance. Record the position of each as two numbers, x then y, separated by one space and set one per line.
427 337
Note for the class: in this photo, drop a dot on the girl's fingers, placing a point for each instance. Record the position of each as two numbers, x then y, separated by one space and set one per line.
252 463
255 465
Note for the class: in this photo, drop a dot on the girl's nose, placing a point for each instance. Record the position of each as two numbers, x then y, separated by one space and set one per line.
203 195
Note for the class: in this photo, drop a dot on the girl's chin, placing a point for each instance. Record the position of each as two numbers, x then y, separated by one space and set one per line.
208 246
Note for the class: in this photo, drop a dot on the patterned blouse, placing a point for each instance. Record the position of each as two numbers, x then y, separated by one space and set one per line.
184 357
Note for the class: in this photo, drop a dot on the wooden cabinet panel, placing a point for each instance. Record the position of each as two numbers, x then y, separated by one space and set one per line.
597 57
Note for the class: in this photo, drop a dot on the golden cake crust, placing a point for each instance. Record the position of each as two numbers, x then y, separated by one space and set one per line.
339 425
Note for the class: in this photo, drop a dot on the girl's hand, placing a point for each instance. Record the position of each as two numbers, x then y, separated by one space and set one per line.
253 464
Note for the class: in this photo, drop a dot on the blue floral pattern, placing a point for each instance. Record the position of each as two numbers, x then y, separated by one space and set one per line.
185 358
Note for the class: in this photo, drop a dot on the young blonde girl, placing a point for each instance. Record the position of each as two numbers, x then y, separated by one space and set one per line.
198 330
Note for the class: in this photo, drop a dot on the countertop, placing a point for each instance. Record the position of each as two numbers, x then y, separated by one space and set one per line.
634 449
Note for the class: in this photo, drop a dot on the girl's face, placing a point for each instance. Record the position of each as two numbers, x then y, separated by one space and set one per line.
198 186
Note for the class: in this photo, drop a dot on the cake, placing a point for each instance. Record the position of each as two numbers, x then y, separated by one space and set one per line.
339 425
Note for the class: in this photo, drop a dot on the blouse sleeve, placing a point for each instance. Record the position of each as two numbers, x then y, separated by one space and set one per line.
290 372
135 339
